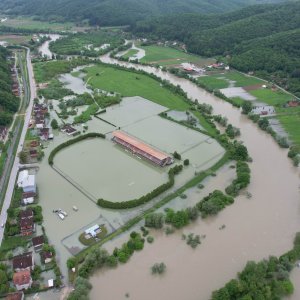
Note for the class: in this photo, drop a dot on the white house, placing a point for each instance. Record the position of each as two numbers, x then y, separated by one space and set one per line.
93 230
26 182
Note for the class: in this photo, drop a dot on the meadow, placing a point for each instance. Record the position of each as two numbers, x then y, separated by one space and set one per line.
133 84
169 56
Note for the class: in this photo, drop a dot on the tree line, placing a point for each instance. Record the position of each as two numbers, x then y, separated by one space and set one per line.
9 103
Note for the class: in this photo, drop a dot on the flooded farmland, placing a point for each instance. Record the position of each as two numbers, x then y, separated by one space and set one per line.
255 228
105 170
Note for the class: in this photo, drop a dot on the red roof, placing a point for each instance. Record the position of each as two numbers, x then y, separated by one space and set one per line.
15 296
22 277
140 145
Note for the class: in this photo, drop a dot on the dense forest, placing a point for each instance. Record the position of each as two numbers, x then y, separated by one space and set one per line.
117 12
264 39
8 102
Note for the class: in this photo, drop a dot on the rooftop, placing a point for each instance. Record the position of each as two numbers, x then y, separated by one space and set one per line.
23 261
15 296
22 277
140 145
38 240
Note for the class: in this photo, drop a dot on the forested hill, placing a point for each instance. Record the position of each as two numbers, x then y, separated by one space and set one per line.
8 102
118 12
263 38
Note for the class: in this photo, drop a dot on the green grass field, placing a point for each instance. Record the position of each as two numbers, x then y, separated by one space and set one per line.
132 84
45 71
170 56
30 23
271 97
15 39
221 81
130 53
291 123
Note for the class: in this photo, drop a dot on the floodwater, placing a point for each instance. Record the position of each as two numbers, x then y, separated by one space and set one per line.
103 169
258 227
44 48
75 84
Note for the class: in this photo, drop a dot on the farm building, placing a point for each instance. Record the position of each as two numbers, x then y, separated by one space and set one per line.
141 149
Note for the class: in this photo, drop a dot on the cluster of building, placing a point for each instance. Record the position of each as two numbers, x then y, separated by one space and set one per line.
263 110
39 121
141 149
24 264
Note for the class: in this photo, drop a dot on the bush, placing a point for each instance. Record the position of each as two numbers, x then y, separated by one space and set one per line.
150 239
186 162
213 203
158 268
155 220
176 155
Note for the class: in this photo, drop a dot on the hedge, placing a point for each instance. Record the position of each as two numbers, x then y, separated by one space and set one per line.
145 198
71 142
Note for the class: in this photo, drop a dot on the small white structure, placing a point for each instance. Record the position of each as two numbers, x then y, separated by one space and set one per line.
29 200
93 230
50 283
26 182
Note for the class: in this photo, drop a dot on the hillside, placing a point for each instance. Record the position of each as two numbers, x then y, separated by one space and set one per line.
118 12
263 38
8 102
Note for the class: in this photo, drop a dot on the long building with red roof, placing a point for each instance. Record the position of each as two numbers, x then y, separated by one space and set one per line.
141 149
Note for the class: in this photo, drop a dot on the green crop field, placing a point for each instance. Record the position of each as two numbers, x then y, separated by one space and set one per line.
15 39
170 56
86 43
130 53
291 123
132 84
46 71
271 97
221 80
29 23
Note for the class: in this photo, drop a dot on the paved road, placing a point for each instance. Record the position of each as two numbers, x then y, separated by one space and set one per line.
15 168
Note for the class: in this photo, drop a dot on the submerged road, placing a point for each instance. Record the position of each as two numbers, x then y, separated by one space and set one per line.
31 88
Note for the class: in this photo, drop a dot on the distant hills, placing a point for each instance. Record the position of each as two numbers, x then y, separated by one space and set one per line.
263 38
118 12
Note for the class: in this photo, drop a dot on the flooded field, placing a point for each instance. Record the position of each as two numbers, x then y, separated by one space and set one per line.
105 170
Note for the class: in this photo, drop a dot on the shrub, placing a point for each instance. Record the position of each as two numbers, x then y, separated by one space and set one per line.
186 162
150 239
158 268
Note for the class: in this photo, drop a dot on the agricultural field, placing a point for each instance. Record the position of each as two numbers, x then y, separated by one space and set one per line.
132 84
89 44
31 24
130 53
15 39
276 97
166 56
290 120
46 71
222 80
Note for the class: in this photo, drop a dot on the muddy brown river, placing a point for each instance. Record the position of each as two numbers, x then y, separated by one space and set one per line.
255 228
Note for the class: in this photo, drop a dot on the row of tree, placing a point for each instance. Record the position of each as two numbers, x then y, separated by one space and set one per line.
145 198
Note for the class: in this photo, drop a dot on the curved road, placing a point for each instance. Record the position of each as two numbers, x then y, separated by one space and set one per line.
16 164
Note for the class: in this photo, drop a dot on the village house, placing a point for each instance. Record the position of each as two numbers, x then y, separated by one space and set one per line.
22 280
46 257
44 134
38 243
68 129
23 262
26 182
15 296
28 198
293 103
26 222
